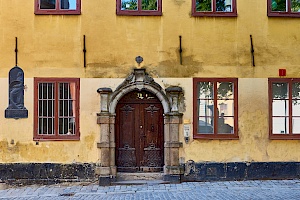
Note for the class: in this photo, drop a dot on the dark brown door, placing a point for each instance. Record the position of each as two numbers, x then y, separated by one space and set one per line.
139 133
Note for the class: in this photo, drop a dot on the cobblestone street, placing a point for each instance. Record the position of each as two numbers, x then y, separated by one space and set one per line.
271 189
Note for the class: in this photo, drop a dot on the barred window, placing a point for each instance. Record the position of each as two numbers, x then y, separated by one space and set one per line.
56 109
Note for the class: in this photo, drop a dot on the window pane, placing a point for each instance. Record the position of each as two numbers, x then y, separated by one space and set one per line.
280 125
47 4
205 90
296 125
224 5
225 124
129 5
68 4
225 90
279 5
296 90
149 4
67 108
225 107
280 108
295 6
205 108
280 90
205 125
296 108
203 5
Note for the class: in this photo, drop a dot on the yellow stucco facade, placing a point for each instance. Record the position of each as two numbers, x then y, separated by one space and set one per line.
51 46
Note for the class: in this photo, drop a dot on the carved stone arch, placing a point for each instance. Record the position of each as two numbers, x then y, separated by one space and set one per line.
118 94
138 80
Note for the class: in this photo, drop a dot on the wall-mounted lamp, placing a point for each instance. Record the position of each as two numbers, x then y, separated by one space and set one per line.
186 130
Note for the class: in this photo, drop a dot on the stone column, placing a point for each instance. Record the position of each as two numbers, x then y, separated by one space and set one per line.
107 161
172 120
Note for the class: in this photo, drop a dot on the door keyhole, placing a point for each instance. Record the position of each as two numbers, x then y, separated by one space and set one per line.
152 128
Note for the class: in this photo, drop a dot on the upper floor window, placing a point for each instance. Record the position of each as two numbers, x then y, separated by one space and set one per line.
284 8
71 7
139 7
215 108
214 8
284 102
56 109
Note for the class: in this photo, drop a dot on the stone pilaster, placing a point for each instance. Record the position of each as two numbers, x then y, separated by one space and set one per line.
172 120
106 170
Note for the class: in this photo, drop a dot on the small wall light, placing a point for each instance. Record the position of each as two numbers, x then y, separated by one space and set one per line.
186 130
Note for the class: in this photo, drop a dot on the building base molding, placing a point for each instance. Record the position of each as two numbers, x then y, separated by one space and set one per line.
235 171
46 173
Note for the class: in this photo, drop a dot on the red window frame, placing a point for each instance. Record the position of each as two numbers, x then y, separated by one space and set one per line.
57 11
288 13
55 115
215 134
290 116
214 13
140 12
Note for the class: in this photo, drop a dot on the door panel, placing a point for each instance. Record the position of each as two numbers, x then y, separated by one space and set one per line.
139 133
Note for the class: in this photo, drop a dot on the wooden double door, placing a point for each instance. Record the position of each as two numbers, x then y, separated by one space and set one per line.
139 133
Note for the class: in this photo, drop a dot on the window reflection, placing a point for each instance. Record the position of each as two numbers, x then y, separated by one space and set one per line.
280 125
296 125
47 4
129 5
279 5
224 5
149 4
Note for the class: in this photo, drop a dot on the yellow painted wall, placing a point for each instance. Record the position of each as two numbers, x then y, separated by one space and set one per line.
51 46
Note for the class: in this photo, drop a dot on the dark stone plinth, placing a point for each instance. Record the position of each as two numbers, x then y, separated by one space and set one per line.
172 178
46 173
236 171
105 180
16 113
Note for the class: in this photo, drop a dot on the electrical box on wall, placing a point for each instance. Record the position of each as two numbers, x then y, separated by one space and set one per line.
282 72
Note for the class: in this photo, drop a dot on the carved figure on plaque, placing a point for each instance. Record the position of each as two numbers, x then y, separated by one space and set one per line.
16 107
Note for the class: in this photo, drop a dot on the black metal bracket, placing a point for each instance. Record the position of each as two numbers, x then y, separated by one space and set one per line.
84 52
16 51
252 51
180 50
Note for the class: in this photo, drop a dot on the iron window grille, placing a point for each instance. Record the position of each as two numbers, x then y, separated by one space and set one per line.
56 109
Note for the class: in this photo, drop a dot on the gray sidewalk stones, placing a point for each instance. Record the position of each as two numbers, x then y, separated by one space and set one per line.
271 189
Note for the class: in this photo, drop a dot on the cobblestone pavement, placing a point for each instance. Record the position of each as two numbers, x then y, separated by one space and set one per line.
271 190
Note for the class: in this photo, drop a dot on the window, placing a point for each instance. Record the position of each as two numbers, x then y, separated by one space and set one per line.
215 108
284 102
139 7
284 8
57 7
214 8
56 109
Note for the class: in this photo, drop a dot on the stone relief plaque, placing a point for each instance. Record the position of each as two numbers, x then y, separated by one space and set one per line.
16 107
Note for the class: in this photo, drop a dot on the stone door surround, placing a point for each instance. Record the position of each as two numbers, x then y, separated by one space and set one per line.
138 80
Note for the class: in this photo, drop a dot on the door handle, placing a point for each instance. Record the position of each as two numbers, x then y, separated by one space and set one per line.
141 127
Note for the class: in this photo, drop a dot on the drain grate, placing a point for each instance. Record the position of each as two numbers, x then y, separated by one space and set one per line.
67 194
